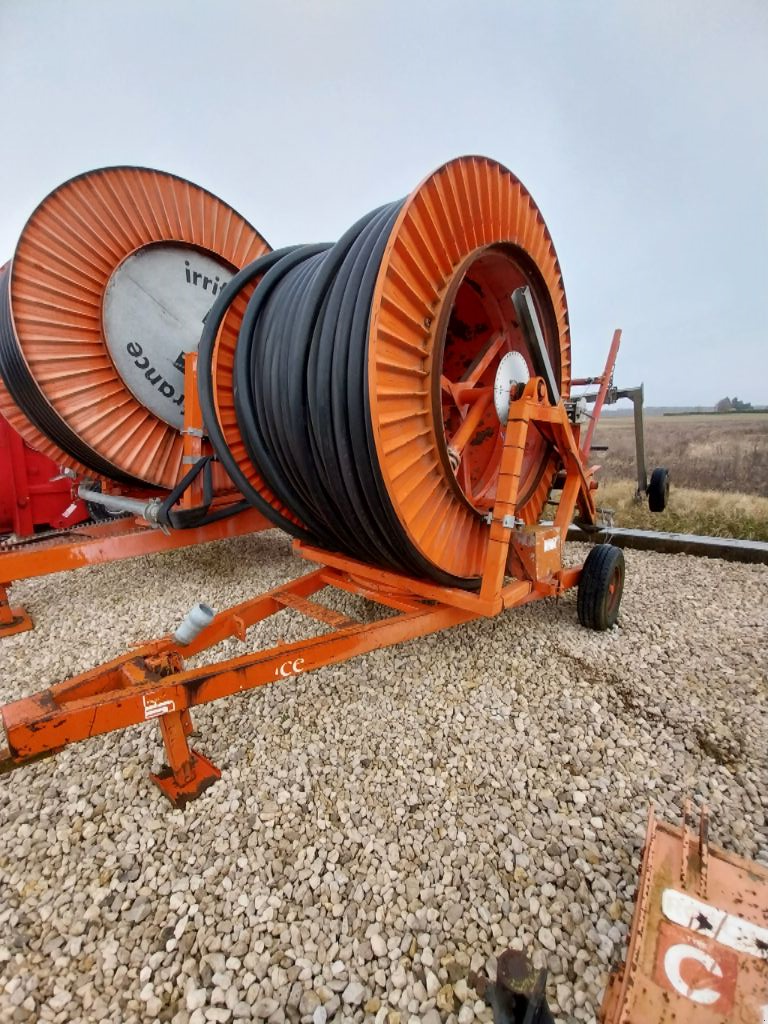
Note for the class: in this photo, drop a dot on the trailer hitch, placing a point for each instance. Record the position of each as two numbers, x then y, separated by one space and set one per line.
518 996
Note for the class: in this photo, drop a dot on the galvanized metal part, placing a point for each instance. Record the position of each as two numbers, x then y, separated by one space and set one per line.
143 509
522 299
153 310
196 620
577 411
728 548
512 371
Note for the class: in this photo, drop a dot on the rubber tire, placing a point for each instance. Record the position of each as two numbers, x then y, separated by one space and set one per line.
597 606
658 490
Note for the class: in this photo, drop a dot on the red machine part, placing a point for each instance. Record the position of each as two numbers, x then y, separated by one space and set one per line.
31 496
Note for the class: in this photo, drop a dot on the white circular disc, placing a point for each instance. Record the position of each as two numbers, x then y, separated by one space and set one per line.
512 369
154 306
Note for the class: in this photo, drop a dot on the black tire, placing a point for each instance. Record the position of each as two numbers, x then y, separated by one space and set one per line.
658 490
99 513
600 587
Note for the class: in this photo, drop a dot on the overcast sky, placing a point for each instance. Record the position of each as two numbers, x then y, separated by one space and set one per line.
640 128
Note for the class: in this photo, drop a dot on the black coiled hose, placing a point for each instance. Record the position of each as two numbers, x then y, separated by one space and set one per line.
301 396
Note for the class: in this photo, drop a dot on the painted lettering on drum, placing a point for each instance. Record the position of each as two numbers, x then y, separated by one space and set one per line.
154 307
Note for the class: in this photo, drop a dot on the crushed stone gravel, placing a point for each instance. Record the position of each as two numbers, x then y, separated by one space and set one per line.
381 826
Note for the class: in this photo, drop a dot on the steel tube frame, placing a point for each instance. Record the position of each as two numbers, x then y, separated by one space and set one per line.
152 683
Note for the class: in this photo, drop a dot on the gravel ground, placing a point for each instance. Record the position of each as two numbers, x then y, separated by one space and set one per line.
383 825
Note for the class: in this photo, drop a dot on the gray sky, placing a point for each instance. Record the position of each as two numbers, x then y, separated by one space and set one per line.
639 127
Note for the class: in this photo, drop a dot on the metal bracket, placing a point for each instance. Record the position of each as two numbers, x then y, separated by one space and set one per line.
508 521
528 319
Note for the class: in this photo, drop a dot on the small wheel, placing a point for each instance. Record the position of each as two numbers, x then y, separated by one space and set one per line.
600 587
658 490
99 513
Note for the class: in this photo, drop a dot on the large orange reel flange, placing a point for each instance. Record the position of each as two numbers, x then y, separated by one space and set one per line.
87 389
442 320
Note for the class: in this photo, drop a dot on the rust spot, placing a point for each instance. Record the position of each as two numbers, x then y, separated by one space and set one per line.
481 436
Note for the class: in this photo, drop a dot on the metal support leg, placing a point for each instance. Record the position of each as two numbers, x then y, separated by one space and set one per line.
187 773
12 620
642 477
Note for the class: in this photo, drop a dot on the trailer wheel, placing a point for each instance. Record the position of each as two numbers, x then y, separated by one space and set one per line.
658 490
600 587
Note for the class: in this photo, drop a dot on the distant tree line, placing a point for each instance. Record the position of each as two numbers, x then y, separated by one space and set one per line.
732 405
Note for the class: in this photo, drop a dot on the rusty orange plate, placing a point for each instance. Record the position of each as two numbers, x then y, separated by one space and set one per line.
698 948
442 322
110 281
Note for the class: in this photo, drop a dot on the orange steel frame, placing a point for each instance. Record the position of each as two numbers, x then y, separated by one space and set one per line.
151 682
125 537
604 381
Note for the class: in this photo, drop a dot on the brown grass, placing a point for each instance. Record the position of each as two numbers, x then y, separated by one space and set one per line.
718 467
707 513
715 452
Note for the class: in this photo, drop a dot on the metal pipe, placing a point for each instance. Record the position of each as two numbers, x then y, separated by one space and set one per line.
119 503
642 475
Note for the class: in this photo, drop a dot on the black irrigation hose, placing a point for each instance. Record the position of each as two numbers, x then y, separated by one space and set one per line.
25 392
301 396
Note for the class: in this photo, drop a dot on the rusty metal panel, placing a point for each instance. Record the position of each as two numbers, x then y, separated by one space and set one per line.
698 948
535 553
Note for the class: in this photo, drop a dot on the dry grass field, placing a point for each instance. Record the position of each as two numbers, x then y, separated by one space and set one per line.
718 465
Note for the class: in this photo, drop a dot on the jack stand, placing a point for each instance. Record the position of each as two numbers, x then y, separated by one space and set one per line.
188 773
12 620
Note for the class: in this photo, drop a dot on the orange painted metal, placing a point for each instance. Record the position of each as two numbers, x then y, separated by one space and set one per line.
69 249
442 311
698 949
222 374
12 620
116 539
605 381
112 541
535 553
152 682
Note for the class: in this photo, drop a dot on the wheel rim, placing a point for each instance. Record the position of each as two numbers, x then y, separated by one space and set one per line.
615 588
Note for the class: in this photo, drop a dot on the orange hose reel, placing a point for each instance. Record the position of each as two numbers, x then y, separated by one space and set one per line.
106 254
441 323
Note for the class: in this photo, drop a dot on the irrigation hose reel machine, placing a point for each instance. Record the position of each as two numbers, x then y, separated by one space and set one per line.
399 403
100 315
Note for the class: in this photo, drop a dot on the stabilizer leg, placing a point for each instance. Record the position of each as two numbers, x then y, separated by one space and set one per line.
12 620
187 773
